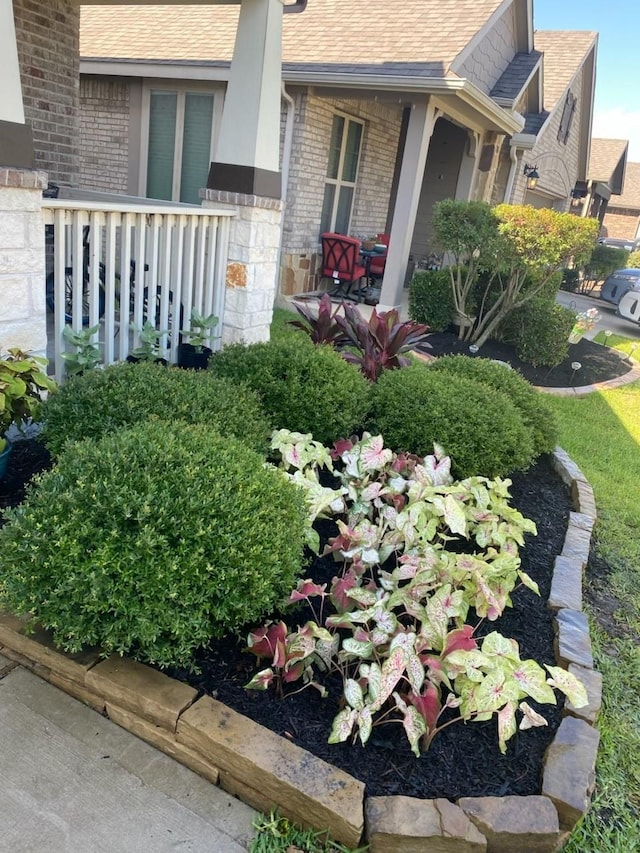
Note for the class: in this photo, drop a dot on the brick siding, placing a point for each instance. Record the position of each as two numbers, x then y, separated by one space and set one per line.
621 222
104 133
47 37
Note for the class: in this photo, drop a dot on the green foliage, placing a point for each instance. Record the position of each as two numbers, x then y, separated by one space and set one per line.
276 834
479 427
303 387
103 401
431 299
201 329
399 637
570 279
148 348
633 261
87 353
540 333
603 261
152 540
533 406
23 381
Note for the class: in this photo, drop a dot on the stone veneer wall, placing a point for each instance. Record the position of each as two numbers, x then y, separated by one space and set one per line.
104 133
252 264
312 132
22 302
47 34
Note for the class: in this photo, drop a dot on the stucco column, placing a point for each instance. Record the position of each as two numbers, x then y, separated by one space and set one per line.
248 149
16 142
421 123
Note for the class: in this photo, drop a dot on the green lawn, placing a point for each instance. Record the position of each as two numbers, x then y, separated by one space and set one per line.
601 432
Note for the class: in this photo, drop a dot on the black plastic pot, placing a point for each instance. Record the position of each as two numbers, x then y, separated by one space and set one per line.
191 359
133 360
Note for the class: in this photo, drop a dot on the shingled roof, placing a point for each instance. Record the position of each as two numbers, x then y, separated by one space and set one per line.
607 162
516 75
564 52
630 198
423 35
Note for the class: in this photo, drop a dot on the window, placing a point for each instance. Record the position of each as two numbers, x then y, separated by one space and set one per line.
179 144
342 172
567 118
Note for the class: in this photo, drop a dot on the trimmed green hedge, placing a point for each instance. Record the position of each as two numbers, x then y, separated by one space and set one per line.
533 406
431 299
479 427
152 540
102 401
304 388
540 331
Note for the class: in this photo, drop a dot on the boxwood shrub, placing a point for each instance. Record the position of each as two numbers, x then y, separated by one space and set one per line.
102 401
539 332
533 406
152 540
303 387
431 299
479 427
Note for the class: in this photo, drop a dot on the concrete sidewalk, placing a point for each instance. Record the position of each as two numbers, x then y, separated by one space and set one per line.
71 781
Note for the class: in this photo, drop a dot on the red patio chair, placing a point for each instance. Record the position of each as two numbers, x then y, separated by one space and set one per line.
340 261
377 265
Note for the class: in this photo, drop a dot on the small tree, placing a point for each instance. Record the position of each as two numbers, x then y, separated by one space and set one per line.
603 261
468 232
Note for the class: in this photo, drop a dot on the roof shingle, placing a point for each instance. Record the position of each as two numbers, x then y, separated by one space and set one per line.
605 158
516 75
630 198
564 52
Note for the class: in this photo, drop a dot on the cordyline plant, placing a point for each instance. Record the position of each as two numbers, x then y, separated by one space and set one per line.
519 248
373 346
392 621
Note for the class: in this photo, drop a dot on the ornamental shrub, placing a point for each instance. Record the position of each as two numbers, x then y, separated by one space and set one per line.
304 388
152 540
431 299
537 414
540 332
633 261
479 427
101 401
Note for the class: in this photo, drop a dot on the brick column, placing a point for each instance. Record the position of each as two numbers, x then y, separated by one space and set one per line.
251 269
22 298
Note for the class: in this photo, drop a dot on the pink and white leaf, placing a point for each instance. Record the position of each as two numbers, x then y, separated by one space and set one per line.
412 722
265 642
343 725
353 694
306 589
506 725
365 724
531 679
571 686
392 671
374 455
530 718
454 516
261 680
529 582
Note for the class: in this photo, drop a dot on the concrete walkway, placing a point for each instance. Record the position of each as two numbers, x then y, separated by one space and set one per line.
71 781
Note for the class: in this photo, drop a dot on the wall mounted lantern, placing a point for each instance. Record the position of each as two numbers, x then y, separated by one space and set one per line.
531 174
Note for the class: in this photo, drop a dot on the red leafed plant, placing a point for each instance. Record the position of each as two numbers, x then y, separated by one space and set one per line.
378 344
321 328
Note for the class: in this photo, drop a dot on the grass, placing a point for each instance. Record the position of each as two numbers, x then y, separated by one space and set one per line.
601 432
278 835
625 345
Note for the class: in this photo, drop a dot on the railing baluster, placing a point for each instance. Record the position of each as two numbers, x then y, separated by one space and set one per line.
165 289
96 289
125 284
176 285
212 243
138 295
189 271
59 292
153 256
200 266
110 288
78 274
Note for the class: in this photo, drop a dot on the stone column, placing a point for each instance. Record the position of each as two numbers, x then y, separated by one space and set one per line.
252 264
22 299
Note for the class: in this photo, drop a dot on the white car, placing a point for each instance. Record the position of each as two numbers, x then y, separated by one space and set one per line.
629 306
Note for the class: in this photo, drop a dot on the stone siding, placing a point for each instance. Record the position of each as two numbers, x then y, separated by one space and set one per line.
47 37
104 133
486 63
22 303
621 222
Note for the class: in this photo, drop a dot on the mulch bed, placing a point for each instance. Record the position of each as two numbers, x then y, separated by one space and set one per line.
599 363
464 760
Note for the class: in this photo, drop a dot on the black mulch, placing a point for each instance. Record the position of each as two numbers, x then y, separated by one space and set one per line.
598 363
463 760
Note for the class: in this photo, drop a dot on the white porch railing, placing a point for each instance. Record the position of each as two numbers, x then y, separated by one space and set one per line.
118 264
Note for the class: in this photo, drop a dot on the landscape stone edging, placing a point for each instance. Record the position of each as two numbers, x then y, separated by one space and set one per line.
583 390
163 712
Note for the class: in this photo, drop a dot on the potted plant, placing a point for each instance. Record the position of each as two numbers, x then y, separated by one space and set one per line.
23 379
87 353
194 355
149 347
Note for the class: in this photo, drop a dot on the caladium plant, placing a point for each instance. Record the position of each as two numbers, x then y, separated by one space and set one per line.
393 621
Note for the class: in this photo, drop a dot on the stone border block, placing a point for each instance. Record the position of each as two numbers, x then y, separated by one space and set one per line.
525 824
584 499
569 774
592 681
141 690
573 641
410 825
566 584
577 542
307 789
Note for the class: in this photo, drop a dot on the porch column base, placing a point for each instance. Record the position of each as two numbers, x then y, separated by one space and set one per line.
252 265
23 319
16 145
249 180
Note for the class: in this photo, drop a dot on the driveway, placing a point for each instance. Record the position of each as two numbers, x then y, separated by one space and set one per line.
609 320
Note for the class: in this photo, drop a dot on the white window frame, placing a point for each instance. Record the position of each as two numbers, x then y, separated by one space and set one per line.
339 182
181 88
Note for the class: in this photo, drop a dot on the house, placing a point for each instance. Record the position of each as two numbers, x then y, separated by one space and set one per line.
606 177
622 217
443 100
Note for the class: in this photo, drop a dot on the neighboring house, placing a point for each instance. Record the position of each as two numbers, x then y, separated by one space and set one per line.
622 218
385 111
605 178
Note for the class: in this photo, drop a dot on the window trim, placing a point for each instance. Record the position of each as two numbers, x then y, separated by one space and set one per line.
338 182
182 88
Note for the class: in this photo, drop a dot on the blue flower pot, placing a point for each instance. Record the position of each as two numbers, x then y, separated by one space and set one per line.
4 460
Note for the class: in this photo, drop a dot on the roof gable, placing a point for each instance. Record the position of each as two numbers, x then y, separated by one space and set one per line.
607 162
630 197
